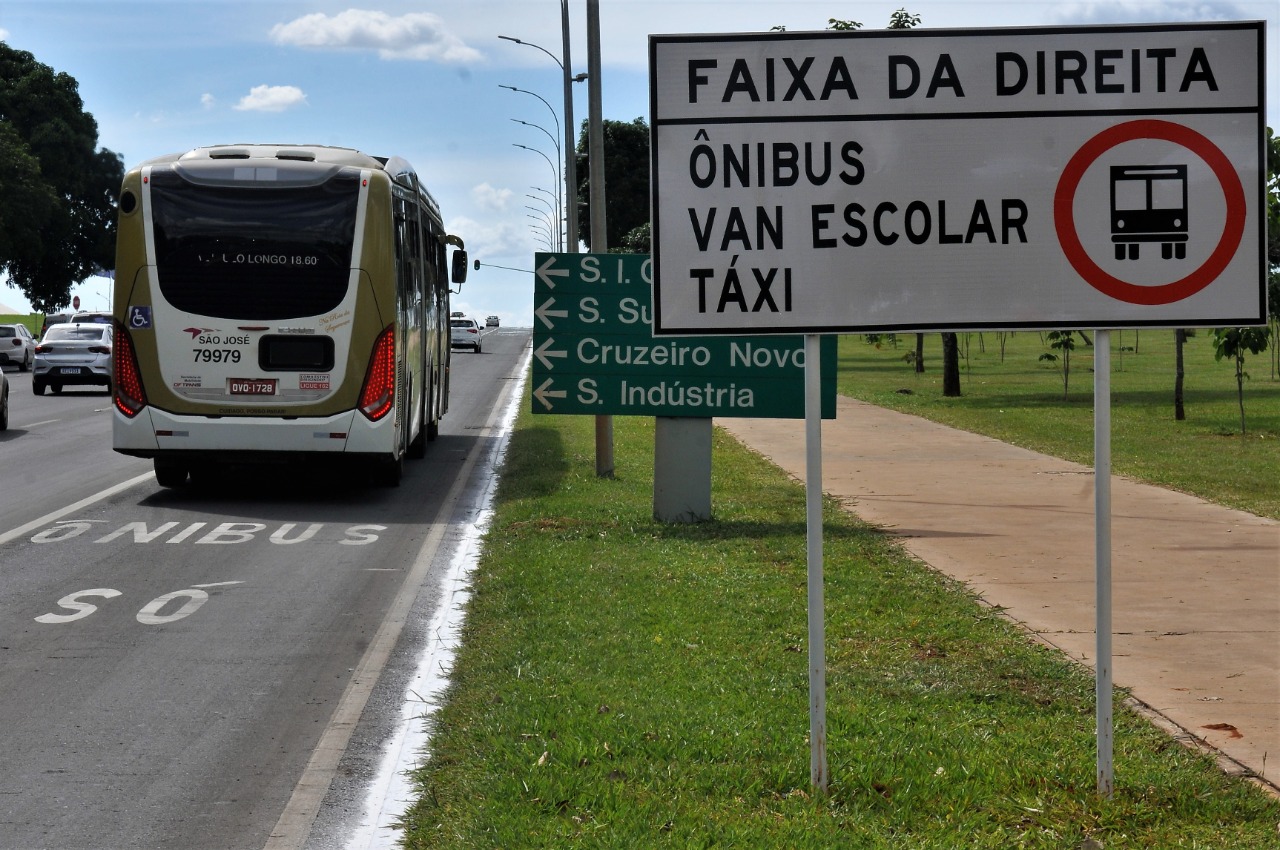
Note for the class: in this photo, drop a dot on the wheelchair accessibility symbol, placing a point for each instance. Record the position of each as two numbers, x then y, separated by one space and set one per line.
140 318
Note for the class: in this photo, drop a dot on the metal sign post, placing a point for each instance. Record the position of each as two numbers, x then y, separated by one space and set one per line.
818 772
1102 555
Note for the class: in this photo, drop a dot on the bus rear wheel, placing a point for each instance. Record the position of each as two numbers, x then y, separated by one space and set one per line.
170 473
388 473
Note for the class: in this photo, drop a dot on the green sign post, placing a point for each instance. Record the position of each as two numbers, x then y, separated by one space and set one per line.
595 353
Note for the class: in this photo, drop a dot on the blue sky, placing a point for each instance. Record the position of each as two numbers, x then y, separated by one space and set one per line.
423 80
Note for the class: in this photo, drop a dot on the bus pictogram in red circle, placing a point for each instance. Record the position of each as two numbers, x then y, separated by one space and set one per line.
1108 284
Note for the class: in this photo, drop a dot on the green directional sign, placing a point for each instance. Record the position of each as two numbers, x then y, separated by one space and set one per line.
594 351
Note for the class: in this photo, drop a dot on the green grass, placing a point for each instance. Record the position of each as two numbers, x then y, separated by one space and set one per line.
1020 401
33 322
625 683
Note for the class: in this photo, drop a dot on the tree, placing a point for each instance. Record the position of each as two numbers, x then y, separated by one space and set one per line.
57 188
1064 341
950 365
25 199
1179 374
1235 343
626 180
638 241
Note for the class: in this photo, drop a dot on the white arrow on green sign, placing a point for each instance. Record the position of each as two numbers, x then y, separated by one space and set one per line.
594 351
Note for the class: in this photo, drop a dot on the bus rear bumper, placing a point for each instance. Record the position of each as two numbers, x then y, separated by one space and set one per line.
157 433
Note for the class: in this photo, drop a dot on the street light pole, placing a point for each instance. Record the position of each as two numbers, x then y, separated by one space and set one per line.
552 213
550 222
599 235
570 159
555 172
556 143
550 205
570 148
551 195
549 107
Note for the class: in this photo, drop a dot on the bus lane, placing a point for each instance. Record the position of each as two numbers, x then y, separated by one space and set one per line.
170 658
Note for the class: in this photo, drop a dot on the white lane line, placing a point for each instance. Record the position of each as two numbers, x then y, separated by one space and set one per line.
37 424
72 508
294 825
392 792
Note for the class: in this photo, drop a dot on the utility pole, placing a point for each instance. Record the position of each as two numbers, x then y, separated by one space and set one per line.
599 238
570 142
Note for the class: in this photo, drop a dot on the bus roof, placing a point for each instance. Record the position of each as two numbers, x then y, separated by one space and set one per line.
285 152
291 157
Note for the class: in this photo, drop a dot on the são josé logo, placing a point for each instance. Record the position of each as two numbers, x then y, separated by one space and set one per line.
1148 206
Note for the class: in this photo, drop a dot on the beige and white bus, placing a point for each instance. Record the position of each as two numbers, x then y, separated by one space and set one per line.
277 303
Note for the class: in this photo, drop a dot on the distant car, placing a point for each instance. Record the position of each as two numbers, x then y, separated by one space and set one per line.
17 345
93 317
491 322
52 319
73 355
4 402
465 333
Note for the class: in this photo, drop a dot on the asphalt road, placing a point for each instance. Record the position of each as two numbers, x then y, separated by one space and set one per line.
170 660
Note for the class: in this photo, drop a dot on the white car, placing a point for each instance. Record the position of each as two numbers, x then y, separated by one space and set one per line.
465 333
73 354
17 345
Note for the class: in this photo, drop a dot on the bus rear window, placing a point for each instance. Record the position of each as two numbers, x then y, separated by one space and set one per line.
258 253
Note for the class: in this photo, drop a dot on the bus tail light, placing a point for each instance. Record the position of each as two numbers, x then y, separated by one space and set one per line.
129 396
378 395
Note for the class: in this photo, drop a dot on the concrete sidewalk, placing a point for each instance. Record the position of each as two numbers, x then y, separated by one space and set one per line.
1196 587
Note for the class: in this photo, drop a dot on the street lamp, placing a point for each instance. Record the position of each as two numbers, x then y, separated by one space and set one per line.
552 209
570 165
544 130
557 183
542 235
554 116
555 172
542 227
549 220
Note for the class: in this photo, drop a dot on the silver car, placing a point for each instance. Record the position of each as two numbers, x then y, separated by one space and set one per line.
73 355
465 333
17 345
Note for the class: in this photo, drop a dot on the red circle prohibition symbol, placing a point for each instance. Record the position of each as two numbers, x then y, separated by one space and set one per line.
1108 284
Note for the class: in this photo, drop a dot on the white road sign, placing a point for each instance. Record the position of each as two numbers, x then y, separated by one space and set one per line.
952 179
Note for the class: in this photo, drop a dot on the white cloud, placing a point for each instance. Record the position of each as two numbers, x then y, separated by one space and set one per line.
4 34
505 242
207 100
1135 11
271 99
489 198
417 35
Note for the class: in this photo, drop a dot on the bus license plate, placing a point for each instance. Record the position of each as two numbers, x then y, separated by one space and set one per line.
251 386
